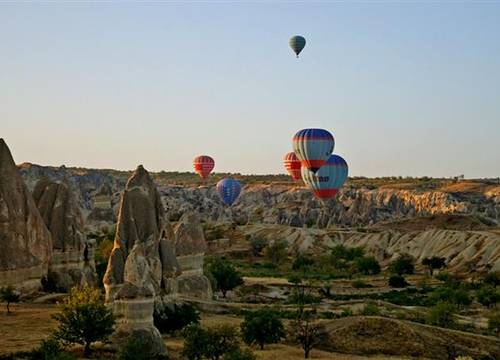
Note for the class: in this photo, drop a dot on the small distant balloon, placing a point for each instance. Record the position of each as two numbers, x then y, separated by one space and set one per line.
292 165
297 44
203 165
329 178
313 147
229 190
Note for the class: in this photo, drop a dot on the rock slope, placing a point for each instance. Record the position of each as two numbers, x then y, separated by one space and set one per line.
25 241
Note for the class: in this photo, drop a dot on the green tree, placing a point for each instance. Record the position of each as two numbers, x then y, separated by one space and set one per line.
488 296
346 253
257 244
277 253
492 278
367 265
225 275
302 262
434 263
404 264
84 318
443 315
494 323
212 343
397 281
262 327
9 295
307 332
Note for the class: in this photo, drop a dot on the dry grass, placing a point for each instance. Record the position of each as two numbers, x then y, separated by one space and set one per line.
25 327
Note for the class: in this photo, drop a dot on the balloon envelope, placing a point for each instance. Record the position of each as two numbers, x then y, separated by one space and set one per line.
292 165
297 44
313 147
203 165
329 179
229 190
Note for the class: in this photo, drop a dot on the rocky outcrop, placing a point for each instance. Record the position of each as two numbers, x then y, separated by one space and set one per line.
70 264
135 273
190 248
25 242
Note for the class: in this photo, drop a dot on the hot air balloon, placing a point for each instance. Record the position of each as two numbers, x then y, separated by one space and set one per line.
229 190
297 43
313 147
329 179
292 165
203 165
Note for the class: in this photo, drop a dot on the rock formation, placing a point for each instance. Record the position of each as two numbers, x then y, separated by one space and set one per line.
190 248
25 242
135 273
70 264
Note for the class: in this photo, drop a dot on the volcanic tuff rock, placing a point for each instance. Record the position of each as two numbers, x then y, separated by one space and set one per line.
68 266
25 242
135 270
190 248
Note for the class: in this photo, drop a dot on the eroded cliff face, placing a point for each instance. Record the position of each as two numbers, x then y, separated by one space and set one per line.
70 263
25 242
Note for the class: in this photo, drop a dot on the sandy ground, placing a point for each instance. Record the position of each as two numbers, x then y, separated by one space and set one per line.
30 323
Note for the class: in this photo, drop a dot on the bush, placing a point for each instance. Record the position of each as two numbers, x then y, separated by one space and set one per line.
397 281
239 354
9 295
459 296
370 310
277 253
302 262
262 327
404 264
434 263
442 315
50 349
488 296
138 349
212 343
492 278
345 253
170 318
360 284
367 265
84 318
257 244
224 274
494 324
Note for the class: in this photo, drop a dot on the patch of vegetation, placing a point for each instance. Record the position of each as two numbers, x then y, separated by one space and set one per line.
434 263
360 284
443 315
404 264
84 319
257 244
169 318
397 281
276 252
262 327
50 349
138 349
367 265
223 273
9 295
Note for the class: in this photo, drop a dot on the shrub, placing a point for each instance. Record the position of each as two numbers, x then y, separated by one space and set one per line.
239 354
457 296
84 318
367 265
488 296
302 262
370 310
492 278
262 327
170 318
212 343
50 349
306 332
494 323
442 315
434 263
276 253
225 275
404 264
257 244
360 284
397 281
9 295
345 253
346 313
138 349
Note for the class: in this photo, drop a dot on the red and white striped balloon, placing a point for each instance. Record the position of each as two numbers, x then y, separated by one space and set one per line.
203 165
292 165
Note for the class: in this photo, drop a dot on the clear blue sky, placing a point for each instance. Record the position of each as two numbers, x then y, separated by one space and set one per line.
406 88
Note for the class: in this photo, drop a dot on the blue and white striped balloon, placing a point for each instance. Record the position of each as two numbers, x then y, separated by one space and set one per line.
229 190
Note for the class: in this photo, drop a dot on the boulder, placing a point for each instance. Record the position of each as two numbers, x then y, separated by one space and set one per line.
134 276
24 239
190 248
62 216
